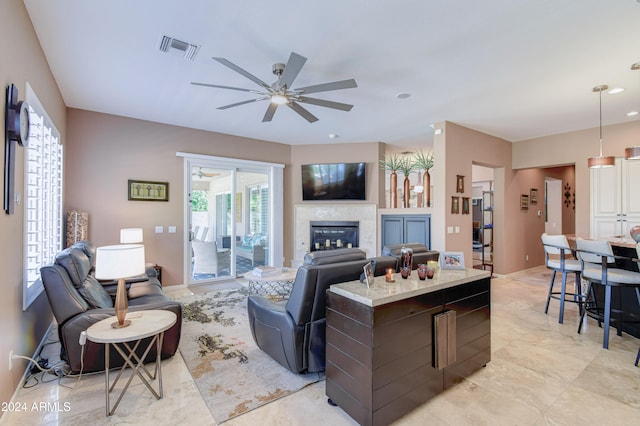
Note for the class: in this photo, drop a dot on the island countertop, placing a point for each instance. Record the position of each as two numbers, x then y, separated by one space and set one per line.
382 292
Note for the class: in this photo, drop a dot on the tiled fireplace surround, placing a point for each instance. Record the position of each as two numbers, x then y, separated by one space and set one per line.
365 214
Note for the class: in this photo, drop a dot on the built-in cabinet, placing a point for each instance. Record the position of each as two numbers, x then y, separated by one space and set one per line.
486 228
411 228
615 201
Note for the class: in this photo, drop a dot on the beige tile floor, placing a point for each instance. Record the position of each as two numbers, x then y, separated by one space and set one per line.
541 373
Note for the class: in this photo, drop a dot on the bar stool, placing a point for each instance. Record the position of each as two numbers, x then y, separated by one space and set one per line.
555 245
597 267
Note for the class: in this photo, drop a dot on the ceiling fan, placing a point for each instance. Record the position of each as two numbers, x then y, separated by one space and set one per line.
281 93
202 174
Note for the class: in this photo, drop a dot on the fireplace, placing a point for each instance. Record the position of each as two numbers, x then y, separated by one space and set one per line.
329 235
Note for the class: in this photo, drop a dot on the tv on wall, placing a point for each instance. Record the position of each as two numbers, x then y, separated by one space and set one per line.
340 181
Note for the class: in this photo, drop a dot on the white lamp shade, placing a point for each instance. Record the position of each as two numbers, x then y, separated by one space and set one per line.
119 261
130 235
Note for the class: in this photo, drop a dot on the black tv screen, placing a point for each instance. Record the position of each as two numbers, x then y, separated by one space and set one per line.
341 181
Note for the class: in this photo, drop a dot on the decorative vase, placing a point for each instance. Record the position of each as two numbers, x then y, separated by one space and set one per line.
635 233
393 187
426 182
407 192
406 258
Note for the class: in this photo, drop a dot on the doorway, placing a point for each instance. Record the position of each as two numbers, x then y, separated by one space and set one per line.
233 217
552 206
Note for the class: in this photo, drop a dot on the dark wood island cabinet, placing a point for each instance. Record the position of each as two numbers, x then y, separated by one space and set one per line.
394 346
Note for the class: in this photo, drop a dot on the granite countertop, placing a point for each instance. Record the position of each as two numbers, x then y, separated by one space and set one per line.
381 292
619 241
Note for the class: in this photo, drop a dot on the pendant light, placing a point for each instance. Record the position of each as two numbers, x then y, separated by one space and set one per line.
633 153
601 161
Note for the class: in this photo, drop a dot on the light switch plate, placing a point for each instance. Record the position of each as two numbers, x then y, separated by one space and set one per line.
172 229
159 229
449 229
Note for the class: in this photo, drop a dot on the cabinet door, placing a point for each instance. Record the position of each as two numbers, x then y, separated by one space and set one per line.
605 227
392 230
416 230
631 195
606 194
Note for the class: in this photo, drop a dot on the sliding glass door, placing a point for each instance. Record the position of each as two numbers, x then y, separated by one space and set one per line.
232 212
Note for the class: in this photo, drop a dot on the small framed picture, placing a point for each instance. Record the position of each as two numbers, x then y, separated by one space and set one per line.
455 205
459 183
368 274
452 260
534 196
144 190
524 202
465 205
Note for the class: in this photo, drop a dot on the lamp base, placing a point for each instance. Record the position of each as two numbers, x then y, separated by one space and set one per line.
116 324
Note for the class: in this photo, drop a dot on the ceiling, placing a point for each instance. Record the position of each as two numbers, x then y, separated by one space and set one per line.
516 69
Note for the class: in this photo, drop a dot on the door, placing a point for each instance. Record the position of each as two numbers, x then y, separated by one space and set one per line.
211 224
553 206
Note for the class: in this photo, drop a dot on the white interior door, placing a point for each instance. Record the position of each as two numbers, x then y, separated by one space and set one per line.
553 206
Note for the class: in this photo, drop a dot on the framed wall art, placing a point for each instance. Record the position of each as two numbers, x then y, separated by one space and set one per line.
524 202
465 205
533 196
455 205
144 190
459 183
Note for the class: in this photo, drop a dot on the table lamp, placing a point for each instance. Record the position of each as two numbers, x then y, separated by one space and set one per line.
131 235
120 262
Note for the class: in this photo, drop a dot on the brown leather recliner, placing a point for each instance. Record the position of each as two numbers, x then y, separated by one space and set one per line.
78 300
293 333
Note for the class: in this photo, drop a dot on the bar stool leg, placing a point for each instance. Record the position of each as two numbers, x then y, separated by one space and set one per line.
607 316
553 278
563 291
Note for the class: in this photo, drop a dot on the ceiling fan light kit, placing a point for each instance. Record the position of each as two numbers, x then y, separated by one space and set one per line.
601 161
281 93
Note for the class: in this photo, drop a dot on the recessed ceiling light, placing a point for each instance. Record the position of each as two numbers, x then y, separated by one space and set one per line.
632 113
615 91
403 95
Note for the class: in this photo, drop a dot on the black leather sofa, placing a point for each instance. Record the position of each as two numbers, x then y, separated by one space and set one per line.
421 253
293 332
78 300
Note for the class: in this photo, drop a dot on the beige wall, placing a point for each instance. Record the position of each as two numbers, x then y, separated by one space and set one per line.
22 61
458 148
575 148
104 151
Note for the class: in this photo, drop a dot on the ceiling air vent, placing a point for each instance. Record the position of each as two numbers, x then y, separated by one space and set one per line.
179 48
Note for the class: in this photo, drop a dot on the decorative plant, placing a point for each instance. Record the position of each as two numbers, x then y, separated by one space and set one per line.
393 163
423 161
406 166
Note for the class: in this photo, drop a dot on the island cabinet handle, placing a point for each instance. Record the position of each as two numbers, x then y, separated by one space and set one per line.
444 325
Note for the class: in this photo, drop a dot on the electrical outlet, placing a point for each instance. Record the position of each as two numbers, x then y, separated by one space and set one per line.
10 360
526 257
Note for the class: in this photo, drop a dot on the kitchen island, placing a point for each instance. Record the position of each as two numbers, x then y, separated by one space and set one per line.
393 346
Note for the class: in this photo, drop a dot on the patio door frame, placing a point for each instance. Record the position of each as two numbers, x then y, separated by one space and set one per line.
275 174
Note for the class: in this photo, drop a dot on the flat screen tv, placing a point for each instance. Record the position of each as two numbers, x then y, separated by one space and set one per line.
340 181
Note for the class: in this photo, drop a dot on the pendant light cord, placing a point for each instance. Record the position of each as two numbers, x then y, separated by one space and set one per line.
600 91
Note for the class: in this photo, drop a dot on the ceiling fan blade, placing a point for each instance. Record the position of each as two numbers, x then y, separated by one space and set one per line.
303 112
217 86
324 103
240 103
270 111
239 70
291 70
326 87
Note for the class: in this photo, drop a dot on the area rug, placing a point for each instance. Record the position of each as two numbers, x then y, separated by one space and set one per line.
232 374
